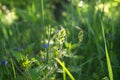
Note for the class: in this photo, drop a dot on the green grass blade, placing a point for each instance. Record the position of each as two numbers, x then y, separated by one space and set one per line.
42 5
63 66
64 74
14 72
107 56
43 24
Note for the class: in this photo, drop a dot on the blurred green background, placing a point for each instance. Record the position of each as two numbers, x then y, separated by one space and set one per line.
33 33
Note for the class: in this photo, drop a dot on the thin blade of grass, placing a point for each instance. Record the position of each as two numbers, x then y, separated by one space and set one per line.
63 66
14 72
64 74
107 56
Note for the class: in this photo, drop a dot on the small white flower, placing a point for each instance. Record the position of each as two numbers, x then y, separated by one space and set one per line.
80 4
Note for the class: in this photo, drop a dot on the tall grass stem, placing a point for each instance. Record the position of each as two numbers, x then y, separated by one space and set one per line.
110 71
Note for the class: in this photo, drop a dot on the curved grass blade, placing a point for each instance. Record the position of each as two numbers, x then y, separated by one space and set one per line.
66 70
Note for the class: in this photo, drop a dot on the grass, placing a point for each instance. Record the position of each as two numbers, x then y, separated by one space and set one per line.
110 71
66 70
83 44
13 68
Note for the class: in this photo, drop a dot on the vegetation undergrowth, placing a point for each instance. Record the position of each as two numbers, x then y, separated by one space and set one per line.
59 40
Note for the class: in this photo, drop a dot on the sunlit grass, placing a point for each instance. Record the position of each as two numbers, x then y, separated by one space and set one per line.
110 71
66 70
